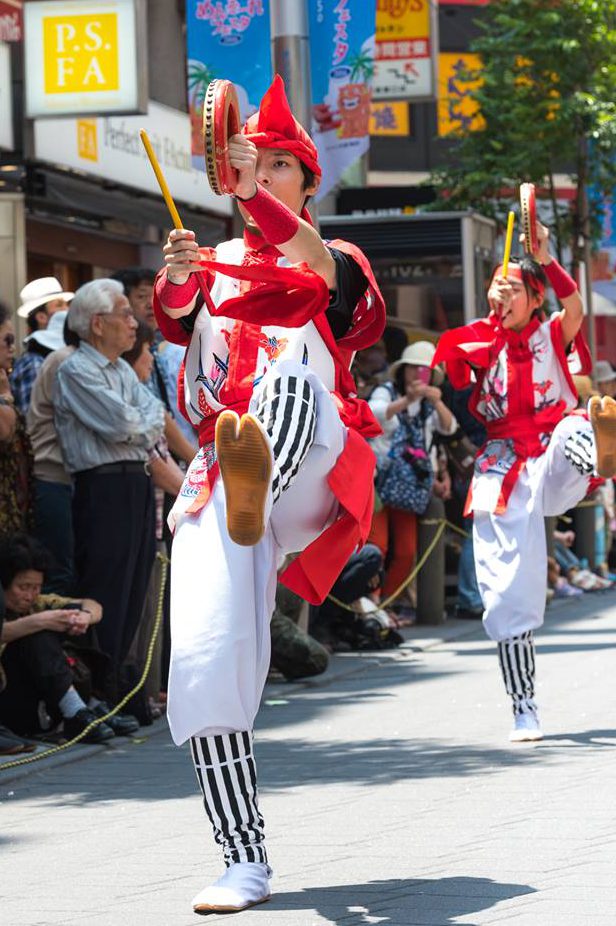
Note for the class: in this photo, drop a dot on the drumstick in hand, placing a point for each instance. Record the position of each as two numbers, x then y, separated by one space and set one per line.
173 212
508 243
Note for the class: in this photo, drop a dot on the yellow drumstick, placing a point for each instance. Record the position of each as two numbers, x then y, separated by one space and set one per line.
508 243
164 189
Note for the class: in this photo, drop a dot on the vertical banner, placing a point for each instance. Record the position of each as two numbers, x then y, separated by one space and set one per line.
342 65
228 39
405 48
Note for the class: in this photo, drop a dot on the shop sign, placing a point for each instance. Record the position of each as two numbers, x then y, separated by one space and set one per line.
110 147
85 57
390 118
11 21
6 98
405 50
457 111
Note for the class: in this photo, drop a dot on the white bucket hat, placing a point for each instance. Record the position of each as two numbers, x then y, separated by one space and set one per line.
419 354
604 372
52 336
38 293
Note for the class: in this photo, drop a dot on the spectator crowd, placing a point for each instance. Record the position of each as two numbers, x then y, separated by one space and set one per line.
92 454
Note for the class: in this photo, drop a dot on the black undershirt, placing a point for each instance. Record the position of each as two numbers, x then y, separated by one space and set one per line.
351 284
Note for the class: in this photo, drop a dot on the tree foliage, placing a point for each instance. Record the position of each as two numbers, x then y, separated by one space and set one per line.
547 105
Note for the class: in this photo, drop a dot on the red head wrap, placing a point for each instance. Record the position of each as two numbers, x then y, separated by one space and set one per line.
274 126
515 272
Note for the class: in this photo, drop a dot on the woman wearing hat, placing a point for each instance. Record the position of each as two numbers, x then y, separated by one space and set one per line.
537 460
413 394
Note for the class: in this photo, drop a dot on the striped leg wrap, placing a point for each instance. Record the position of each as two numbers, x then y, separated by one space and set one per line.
517 662
226 771
287 410
580 451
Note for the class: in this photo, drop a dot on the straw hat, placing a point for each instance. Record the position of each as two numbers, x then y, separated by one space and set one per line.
52 336
38 293
419 354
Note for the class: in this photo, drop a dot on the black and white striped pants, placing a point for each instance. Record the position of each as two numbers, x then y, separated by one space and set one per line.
287 410
226 772
517 662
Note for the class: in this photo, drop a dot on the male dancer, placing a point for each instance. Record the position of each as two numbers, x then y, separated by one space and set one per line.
266 382
537 460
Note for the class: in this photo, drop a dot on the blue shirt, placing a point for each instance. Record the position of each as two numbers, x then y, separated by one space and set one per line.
22 378
103 414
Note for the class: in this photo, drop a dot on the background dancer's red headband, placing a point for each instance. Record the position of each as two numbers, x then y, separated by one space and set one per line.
515 272
274 126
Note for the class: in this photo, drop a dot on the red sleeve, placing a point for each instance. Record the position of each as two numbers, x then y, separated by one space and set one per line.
369 314
175 296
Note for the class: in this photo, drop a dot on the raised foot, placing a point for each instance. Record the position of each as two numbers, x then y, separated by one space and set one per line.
602 414
245 462
243 885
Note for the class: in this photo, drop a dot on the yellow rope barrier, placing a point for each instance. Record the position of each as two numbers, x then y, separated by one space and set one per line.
442 524
27 760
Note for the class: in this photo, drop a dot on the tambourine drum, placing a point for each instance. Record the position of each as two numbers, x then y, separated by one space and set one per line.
221 120
528 211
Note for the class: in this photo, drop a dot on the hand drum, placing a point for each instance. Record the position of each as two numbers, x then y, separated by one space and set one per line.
528 212
221 120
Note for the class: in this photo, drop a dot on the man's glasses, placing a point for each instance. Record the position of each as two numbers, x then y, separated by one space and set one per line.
8 340
126 314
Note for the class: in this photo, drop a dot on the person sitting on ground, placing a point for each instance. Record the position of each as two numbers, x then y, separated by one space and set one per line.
33 660
605 378
295 653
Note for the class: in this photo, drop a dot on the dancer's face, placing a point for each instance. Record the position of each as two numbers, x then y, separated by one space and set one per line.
518 313
280 172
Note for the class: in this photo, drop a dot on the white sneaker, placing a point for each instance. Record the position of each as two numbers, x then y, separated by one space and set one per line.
243 885
526 728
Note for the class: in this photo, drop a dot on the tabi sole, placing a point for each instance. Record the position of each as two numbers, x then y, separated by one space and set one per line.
245 462
602 415
215 908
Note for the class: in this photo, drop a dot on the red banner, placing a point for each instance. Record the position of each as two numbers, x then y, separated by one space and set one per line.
11 21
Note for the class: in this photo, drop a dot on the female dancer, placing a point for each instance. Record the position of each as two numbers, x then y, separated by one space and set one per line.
537 460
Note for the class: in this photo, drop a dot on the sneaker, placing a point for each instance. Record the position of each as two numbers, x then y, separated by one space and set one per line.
526 728
243 885
562 589
74 725
121 724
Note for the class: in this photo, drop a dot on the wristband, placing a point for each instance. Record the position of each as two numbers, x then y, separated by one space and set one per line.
560 281
276 221
176 295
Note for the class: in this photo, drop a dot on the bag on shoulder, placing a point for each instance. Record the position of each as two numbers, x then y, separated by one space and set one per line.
405 478
461 453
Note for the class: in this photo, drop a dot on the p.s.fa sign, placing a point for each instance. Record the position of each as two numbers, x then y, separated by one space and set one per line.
84 57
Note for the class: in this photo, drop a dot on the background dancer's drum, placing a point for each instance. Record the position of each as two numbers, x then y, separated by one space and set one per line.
528 212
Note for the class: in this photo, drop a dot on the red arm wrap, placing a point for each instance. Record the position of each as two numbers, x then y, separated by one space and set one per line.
560 281
176 295
277 222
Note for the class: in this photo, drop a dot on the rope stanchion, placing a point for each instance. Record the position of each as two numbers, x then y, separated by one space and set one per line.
27 760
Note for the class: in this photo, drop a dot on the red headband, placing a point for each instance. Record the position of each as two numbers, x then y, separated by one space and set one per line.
274 126
514 272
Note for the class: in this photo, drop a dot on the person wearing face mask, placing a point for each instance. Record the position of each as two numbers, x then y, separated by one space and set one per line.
16 464
538 460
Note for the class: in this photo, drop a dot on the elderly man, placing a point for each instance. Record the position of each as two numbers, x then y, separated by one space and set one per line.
107 423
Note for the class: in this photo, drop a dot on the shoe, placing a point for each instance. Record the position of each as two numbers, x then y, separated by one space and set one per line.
11 744
526 728
121 724
243 885
73 726
564 590
469 614
602 415
245 460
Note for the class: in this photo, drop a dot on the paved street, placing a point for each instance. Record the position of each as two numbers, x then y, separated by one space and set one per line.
391 796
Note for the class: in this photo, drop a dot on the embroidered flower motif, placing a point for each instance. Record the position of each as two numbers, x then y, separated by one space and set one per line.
273 347
543 387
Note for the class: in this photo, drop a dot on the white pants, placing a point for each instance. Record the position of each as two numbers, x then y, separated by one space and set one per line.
222 594
510 548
